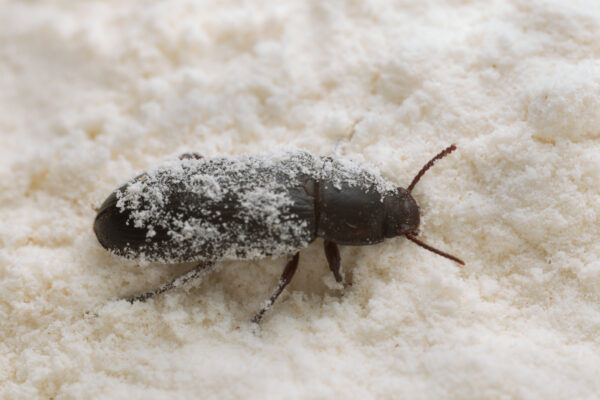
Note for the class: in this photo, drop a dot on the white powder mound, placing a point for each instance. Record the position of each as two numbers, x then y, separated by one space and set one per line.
93 93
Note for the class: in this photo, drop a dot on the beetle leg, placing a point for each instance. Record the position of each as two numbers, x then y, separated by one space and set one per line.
179 281
286 277
333 258
191 156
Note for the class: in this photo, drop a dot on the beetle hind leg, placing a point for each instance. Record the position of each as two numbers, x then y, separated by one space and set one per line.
177 282
286 277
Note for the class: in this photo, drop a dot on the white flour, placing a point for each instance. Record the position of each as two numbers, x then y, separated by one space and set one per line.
93 93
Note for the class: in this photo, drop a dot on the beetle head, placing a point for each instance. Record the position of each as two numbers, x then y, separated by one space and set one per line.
401 214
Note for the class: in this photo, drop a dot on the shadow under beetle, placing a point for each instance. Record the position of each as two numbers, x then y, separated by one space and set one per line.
245 207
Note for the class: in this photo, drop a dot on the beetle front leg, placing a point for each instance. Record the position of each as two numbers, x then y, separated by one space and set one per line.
179 281
286 277
333 258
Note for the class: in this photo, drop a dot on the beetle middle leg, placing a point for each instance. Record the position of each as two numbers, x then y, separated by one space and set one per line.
178 281
333 259
286 277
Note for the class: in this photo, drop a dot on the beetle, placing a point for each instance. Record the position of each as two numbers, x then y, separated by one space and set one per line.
255 206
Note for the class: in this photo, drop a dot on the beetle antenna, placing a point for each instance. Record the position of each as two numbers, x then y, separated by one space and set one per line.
441 154
434 250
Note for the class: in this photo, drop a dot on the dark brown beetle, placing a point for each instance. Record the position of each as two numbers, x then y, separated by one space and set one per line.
248 207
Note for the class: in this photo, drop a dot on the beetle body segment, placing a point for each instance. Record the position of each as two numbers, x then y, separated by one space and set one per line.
242 207
349 215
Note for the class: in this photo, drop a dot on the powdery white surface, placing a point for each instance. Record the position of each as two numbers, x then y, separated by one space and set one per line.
92 93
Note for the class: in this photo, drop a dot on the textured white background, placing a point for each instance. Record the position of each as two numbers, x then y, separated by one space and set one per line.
93 92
